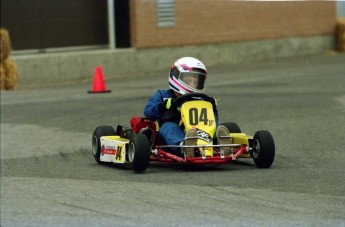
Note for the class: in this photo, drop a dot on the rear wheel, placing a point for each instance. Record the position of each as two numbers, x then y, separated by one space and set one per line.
96 140
139 152
263 149
232 127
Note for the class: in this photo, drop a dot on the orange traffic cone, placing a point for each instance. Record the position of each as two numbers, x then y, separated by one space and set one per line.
98 82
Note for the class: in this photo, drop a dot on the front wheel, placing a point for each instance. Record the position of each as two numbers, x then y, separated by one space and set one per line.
96 140
232 127
139 152
263 150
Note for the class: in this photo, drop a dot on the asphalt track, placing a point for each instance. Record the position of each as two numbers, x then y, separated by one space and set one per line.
49 177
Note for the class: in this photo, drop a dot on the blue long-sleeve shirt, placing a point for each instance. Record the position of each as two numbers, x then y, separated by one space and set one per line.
151 109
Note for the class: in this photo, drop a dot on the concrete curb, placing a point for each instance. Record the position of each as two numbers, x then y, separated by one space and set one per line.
54 68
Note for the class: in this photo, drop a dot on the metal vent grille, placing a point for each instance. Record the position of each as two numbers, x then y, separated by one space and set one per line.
165 13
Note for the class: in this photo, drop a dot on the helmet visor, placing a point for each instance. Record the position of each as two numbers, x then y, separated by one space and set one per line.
193 80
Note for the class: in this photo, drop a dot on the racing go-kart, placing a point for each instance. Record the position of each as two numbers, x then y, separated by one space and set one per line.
140 144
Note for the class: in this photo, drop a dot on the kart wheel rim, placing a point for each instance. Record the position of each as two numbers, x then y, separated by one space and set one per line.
94 145
131 152
256 150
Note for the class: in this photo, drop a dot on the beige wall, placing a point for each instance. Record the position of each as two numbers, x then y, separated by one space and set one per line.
220 21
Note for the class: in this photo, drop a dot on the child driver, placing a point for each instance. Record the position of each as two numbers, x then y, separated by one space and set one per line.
187 75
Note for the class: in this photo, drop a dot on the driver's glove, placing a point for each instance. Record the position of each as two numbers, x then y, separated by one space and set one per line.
167 104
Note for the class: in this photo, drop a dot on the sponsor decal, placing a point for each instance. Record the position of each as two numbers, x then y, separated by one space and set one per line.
119 152
204 135
108 150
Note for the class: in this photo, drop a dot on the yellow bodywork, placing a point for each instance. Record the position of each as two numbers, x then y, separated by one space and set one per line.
240 138
113 149
199 114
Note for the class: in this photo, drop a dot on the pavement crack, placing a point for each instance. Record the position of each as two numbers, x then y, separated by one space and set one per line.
88 209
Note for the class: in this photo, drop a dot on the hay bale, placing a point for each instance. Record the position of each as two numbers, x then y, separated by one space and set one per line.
5 44
8 67
2 77
340 35
9 75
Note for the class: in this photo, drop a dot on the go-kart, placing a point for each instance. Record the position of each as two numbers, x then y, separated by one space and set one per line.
140 144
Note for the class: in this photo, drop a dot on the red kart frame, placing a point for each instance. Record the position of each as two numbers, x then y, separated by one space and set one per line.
158 153
163 156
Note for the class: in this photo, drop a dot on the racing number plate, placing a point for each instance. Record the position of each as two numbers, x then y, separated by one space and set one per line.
199 114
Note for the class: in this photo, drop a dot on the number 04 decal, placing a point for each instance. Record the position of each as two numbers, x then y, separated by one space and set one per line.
195 117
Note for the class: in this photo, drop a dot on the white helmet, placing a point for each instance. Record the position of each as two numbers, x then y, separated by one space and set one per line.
187 75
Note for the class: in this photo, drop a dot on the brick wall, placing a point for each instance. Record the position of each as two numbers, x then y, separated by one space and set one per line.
219 21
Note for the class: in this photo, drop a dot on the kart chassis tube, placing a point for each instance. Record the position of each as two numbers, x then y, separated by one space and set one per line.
164 156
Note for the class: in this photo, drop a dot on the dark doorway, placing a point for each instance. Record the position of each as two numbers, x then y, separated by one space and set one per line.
122 23
41 24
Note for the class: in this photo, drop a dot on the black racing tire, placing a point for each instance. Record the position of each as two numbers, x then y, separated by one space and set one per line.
232 127
96 140
263 149
139 151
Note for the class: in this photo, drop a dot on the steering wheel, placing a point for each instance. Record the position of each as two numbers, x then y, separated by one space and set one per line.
173 114
194 95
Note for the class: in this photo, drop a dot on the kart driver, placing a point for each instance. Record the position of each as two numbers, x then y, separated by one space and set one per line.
187 75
